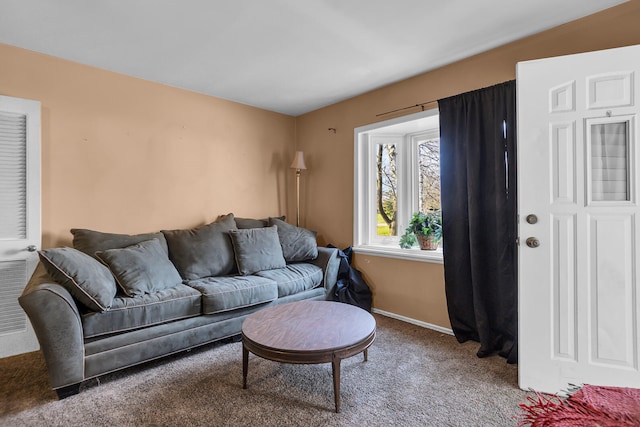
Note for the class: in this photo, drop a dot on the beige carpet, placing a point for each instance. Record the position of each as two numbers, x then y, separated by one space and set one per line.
414 377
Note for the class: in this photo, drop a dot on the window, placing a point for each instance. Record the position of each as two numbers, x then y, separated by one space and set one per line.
397 173
609 169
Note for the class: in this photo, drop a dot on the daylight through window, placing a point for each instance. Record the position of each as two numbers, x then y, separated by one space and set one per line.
397 173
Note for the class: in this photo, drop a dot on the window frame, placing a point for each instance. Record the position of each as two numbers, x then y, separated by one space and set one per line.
365 239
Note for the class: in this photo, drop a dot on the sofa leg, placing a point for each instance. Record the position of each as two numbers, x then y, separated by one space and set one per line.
70 390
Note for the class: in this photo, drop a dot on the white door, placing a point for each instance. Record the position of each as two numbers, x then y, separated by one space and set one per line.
578 158
19 217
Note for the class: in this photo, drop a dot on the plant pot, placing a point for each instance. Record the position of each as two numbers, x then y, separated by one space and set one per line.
427 243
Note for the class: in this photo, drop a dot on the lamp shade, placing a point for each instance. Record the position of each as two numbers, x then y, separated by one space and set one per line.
298 161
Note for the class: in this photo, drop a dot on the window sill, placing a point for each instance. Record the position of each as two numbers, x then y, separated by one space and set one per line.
413 254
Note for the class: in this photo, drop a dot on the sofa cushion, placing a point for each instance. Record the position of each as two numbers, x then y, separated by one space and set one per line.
230 292
257 249
243 223
90 282
90 242
203 251
298 244
129 313
141 269
294 278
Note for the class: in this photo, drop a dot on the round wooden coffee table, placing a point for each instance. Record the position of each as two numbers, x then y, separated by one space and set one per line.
308 332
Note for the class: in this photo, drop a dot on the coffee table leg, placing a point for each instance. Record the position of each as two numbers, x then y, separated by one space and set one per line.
366 354
245 365
336 381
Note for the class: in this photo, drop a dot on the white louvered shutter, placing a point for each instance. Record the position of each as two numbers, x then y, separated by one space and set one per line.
610 162
13 175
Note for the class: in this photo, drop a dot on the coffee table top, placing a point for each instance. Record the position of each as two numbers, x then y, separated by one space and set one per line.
309 326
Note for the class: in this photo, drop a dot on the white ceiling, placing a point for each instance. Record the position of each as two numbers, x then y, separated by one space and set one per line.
289 56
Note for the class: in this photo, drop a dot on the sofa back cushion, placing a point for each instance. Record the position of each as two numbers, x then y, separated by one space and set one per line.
90 282
90 241
139 269
257 249
298 244
243 223
203 251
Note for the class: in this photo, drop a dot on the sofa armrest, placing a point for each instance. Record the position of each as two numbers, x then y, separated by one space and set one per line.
329 262
56 321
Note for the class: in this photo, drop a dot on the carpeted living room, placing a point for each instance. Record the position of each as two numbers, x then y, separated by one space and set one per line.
268 123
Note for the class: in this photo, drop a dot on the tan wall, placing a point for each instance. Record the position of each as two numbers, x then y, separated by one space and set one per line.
126 155
410 288
122 154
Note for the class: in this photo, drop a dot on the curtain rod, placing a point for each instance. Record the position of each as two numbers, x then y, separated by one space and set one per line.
406 108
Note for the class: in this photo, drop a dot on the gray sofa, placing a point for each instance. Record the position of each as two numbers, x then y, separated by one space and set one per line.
114 301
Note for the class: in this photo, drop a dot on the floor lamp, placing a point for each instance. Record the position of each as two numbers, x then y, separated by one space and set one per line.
298 165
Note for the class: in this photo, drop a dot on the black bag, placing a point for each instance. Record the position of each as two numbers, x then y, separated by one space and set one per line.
351 287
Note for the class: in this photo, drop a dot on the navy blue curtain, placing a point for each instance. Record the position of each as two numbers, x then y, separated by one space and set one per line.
478 185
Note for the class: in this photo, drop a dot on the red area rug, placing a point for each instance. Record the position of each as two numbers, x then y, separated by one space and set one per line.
589 406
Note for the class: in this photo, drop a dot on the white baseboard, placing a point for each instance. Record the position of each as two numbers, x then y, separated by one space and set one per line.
414 321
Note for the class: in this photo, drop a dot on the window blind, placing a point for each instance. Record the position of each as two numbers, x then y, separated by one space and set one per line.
13 175
12 278
610 162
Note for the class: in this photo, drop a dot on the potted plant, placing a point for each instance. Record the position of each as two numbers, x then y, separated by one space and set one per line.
424 229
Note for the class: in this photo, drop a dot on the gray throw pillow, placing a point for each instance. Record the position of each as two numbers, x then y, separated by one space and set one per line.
243 223
203 251
143 268
257 249
90 282
298 244
90 242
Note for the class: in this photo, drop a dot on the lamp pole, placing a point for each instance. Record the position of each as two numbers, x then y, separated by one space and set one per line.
298 165
297 197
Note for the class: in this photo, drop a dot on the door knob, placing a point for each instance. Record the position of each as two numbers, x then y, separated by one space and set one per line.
532 242
32 248
531 219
